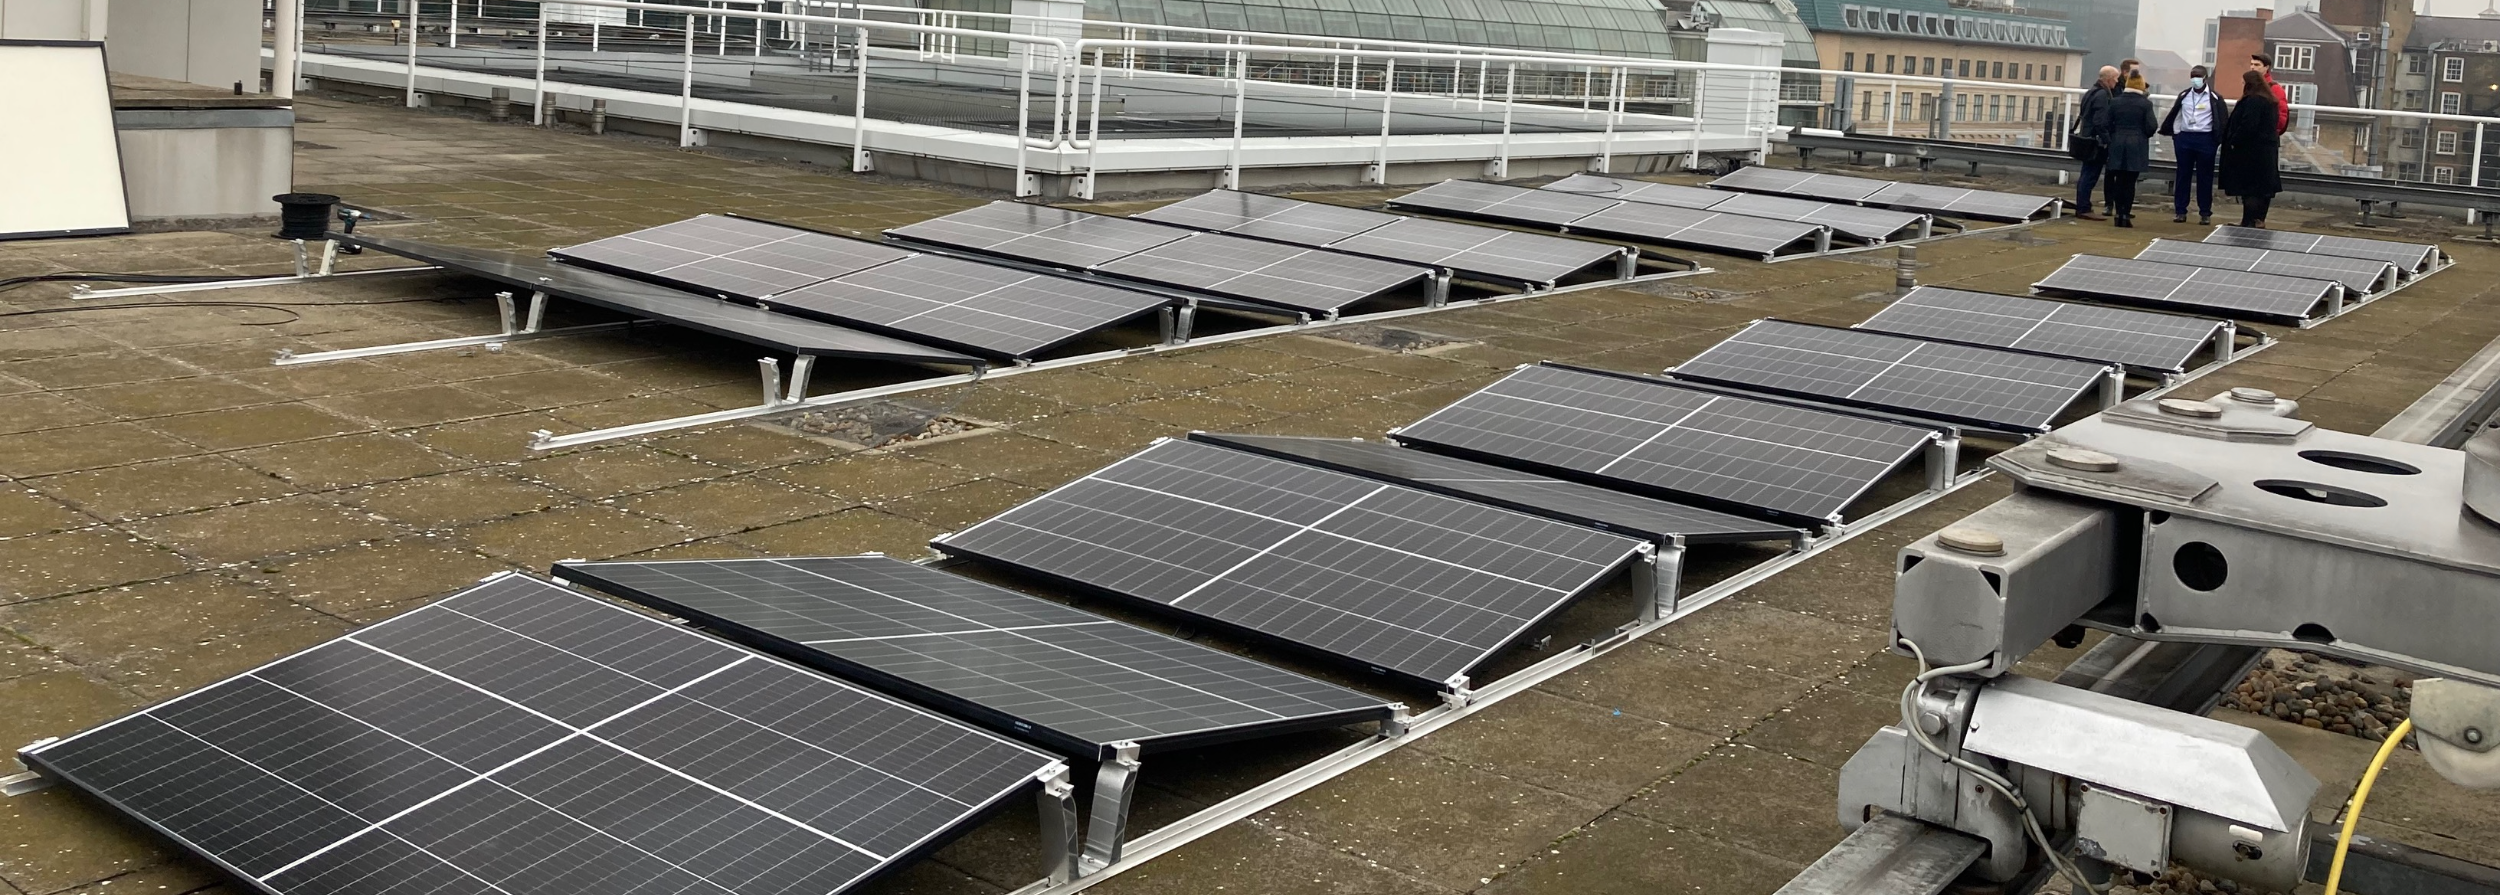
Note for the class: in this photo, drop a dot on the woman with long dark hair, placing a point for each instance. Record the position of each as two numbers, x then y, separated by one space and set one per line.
2250 159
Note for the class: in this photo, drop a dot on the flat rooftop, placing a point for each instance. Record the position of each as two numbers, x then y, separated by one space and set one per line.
178 510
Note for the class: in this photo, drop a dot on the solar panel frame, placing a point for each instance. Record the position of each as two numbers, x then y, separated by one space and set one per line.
746 323
1042 234
1989 388
1269 217
1310 280
1617 219
730 257
1467 251
893 615
1501 202
2412 259
1674 441
1246 540
1868 225
387 741
1661 522
1827 187
1990 204
2360 276
2189 286
970 305
2141 340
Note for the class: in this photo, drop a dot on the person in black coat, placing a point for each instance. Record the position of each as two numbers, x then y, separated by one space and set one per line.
2130 134
2086 143
2250 158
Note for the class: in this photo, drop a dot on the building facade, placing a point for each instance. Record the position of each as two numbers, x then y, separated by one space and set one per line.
2238 34
2344 53
2451 66
2002 47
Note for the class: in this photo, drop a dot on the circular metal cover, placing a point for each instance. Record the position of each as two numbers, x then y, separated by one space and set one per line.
2247 395
2185 407
2085 460
1972 541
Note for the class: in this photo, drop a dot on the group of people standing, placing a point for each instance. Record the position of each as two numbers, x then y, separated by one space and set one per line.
2236 144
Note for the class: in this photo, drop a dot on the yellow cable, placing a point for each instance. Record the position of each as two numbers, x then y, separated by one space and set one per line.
2360 794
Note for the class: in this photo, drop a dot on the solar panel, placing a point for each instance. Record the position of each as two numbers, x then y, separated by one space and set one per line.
1040 233
1667 224
730 257
1483 252
519 737
2411 258
1871 225
781 332
1313 280
1650 435
1493 201
1269 217
2161 343
1071 679
2360 276
1659 521
1981 386
977 307
2187 286
1407 582
1834 187
1963 203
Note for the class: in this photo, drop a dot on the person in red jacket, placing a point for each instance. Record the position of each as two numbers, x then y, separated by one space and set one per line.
2282 98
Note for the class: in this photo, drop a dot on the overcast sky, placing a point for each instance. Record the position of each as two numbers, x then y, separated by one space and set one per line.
2179 25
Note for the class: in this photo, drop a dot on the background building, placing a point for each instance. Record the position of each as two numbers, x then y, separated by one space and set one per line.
2451 66
1990 42
2238 34
2103 29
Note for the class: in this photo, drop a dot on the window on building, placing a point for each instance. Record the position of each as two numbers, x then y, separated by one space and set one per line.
1949 29
1888 64
2412 101
1927 66
2443 174
2452 69
2408 171
1996 70
1965 68
1848 62
1926 107
1995 107
2029 72
1870 63
2026 109
1892 21
2408 138
1961 107
1866 103
2061 73
2445 143
1849 14
2295 57
2417 64
2450 103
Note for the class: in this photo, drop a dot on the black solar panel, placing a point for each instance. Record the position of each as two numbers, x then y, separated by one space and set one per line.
2412 258
1660 521
519 737
781 332
1493 201
1863 224
2159 343
1962 202
1269 217
730 257
1667 224
1835 187
978 307
2360 276
2187 286
1313 280
1655 436
1483 252
1040 233
1981 386
1407 582
1071 679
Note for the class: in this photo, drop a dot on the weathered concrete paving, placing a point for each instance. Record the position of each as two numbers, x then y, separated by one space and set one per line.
178 511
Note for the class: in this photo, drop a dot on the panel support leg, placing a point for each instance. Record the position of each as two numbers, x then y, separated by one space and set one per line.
537 313
505 313
2335 300
2114 388
2226 342
770 369
801 368
1926 226
1437 293
1656 582
1823 241
1628 265
1060 851
1944 459
25 783
1106 826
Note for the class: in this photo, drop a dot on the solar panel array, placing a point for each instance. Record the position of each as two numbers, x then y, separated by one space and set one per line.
519 737
1265 273
2202 288
1651 435
1637 221
977 307
1660 521
2411 258
1916 197
1871 225
1786 182
1405 581
782 332
1983 386
2360 276
1071 679
2161 343
1463 249
730 257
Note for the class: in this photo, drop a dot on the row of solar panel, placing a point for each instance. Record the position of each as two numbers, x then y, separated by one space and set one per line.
2268 274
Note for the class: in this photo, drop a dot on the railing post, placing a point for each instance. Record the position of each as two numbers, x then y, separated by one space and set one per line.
860 161
2474 169
412 56
1093 141
454 28
1241 101
594 35
1701 79
1024 124
685 94
2065 118
539 113
1484 70
1510 103
1388 95
1614 109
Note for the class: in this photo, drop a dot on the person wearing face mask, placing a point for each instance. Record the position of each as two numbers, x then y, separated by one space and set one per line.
2130 136
2193 119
